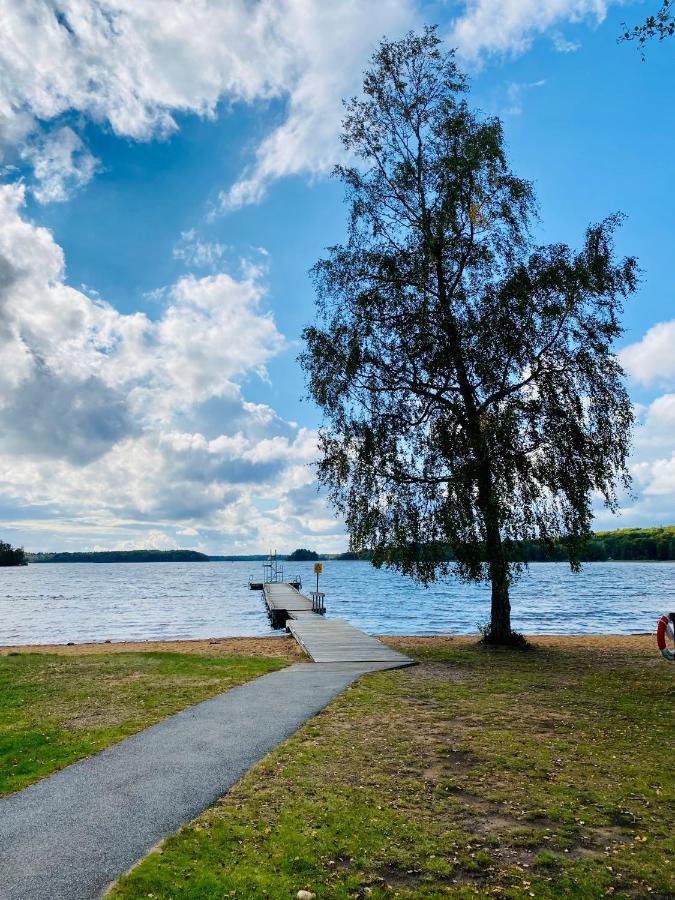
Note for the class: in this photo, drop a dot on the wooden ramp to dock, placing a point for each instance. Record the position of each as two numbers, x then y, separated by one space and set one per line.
326 640
335 640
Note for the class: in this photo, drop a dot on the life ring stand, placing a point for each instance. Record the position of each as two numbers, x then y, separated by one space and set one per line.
666 629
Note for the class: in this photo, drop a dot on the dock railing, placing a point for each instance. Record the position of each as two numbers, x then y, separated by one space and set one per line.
318 602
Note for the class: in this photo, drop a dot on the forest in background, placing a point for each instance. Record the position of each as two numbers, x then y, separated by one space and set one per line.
623 544
108 556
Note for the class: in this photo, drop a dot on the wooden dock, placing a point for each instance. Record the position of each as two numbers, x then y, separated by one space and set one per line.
335 640
325 640
283 596
282 599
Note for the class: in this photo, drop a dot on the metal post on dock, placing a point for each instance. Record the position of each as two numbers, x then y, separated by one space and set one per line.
318 599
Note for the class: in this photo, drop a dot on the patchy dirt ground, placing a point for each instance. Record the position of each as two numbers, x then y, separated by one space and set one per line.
603 643
477 773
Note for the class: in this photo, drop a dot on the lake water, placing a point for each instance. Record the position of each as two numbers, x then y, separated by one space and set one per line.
56 603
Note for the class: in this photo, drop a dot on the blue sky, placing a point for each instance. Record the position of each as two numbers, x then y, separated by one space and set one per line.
151 391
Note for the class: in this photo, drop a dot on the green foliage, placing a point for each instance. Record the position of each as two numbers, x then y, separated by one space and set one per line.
56 709
476 774
633 544
467 377
11 556
661 25
119 556
624 544
302 555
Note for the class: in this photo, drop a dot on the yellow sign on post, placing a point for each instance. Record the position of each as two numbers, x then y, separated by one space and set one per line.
318 568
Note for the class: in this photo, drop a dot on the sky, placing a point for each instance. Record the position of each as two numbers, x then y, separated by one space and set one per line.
164 189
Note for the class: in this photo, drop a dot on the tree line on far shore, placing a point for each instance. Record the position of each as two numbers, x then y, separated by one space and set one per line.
114 556
624 544
11 556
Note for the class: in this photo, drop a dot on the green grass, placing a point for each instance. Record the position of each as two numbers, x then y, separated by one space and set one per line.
56 709
478 773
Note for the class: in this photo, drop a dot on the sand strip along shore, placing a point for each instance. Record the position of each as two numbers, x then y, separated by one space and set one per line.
276 646
286 648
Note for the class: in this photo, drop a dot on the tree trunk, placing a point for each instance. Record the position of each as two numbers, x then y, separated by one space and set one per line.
500 616
500 613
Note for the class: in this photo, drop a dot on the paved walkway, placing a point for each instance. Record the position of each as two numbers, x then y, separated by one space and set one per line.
70 835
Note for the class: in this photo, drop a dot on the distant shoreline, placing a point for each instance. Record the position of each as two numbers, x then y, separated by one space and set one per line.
259 559
622 545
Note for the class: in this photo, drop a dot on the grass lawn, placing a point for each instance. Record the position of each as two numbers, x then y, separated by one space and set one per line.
477 773
55 709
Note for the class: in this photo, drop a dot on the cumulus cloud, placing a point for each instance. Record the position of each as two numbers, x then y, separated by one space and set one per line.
651 360
99 410
510 26
652 463
331 42
118 63
121 64
212 330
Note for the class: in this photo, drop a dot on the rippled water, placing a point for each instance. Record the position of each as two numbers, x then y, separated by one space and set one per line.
55 603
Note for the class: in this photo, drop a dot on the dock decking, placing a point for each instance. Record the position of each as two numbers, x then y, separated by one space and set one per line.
335 640
325 640
281 595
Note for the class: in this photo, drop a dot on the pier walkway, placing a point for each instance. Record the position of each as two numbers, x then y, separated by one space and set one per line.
325 640
282 597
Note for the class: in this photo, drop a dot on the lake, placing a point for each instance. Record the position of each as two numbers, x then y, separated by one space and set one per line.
60 602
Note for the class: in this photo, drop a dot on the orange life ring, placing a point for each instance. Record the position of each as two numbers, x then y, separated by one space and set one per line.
666 628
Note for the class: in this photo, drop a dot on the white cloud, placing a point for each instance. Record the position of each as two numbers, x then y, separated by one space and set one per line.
510 26
657 478
331 43
148 540
651 360
562 44
61 163
652 467
98 409
121 64
57 341
514 94
197 253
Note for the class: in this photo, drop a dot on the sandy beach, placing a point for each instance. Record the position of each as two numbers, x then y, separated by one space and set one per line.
286 648
276 646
